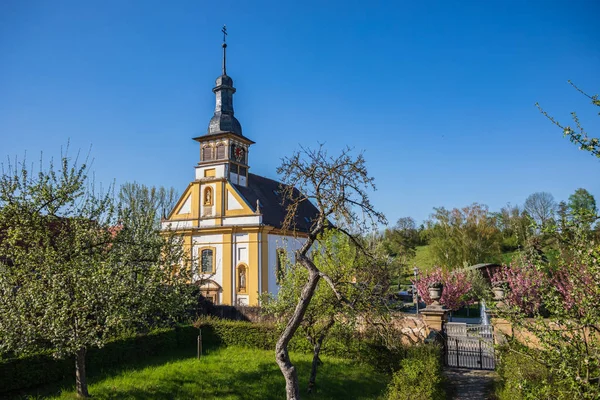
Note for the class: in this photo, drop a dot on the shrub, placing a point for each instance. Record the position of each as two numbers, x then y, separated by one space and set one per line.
340 342
420 375
521 377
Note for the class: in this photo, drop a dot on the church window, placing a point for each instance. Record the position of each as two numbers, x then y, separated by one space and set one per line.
279 266
242 171
208 196
207 261
220 151
207 153
233 168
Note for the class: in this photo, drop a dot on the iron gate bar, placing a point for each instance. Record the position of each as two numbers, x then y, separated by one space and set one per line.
472 347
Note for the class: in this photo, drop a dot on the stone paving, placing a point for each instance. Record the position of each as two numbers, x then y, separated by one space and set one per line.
466 384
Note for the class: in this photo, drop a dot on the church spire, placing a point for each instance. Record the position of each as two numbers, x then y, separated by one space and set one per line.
224 30
223 120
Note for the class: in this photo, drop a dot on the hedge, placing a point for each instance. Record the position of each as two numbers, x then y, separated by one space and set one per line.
28 371
340 342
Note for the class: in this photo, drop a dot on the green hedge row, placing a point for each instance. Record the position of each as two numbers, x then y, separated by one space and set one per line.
28 371
340 342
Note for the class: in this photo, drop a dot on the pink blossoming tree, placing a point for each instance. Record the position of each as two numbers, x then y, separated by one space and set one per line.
456 291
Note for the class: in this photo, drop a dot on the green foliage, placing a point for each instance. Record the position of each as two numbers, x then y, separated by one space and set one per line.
578 135
582 207
32 370
76 269
400 243
220 332
424 259
564 329
522 378
420 375
464 236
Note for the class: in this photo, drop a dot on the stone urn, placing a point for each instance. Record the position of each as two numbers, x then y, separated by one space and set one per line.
435 292
499 293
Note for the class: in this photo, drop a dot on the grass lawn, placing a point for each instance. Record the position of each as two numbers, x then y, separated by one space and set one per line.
235 373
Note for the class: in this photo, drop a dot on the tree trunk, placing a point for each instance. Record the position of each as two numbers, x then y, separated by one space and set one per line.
315 364
316 350
80 378
292 389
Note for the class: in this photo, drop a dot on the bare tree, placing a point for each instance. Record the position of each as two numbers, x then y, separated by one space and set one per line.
338 187
541 207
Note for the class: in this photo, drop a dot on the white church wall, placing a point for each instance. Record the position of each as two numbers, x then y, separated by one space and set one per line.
253 220
175 225
219 171
240 248
290 244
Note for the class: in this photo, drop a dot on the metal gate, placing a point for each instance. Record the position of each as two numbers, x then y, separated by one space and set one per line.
469 346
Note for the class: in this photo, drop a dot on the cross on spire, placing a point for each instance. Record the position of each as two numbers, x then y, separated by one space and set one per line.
224 30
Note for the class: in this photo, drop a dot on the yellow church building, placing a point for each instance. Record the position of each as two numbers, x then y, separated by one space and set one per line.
230 219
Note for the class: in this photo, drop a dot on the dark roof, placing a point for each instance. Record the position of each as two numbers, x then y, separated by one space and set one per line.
268 193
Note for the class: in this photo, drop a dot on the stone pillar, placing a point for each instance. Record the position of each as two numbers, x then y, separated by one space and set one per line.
434 317
502 327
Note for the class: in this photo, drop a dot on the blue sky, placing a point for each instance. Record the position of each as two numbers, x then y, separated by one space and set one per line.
439 95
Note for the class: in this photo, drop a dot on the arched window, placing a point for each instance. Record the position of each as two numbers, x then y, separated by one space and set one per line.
207 258
280 266
242 278
207 153
220 151
208 196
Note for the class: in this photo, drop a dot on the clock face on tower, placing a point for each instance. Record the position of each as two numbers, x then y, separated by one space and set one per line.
238 153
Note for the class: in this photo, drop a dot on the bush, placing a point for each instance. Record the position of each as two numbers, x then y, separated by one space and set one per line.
340 342
420 375
521 377
28 371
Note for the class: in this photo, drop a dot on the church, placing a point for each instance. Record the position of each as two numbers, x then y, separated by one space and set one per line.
230 219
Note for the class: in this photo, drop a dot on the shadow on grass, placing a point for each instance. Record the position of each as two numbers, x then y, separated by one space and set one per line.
99 374
226 373
263 382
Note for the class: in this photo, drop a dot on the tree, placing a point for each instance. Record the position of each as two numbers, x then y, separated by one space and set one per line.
400 243
457 287
559 308
337 186
541 207
582 206
463 236
357 278
514 225
71 276
578 135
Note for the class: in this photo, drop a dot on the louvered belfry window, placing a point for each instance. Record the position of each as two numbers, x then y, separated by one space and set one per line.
221 152
207 153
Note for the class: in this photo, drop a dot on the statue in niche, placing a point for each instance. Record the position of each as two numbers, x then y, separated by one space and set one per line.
208 197
242 279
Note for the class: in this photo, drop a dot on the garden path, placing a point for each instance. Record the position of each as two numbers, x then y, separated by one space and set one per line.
466 384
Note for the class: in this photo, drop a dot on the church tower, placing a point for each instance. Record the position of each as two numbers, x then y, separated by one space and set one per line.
230 220
223 149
